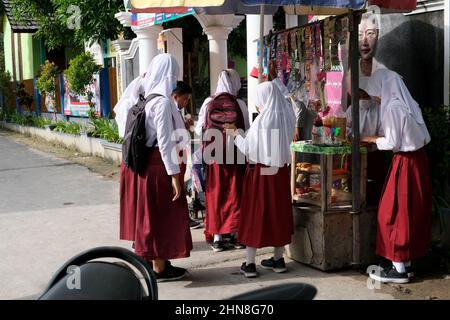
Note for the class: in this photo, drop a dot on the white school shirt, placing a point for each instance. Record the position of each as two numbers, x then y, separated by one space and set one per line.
159 124
402 133
369 119
202 115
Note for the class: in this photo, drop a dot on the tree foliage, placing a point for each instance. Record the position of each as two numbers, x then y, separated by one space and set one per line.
71 22
46 82
80 72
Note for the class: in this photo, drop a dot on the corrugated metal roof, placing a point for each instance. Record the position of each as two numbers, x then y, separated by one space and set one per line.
22 27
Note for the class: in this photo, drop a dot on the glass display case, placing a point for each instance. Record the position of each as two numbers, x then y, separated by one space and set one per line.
321 175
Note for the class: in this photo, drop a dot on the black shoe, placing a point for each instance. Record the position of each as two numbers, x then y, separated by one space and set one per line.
389 274
385 264
276 265
197 205
194 224
234 243
170 273
249 271
217 246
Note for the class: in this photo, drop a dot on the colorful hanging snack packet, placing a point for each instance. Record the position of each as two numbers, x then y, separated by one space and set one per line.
334 44
318 41
326 45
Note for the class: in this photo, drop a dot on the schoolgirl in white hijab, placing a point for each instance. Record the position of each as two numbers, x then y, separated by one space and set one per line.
154 198
230 82
223 198
266 214
269 138
404 211
401 118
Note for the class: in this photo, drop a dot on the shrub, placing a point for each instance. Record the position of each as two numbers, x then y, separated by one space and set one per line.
68 127
105 129
80 75
46 82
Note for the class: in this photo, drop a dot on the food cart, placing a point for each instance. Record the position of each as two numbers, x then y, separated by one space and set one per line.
333 228
324 222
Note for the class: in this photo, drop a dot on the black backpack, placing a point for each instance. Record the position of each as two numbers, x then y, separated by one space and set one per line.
134 150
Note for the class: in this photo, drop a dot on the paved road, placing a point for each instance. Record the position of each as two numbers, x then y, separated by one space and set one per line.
52 209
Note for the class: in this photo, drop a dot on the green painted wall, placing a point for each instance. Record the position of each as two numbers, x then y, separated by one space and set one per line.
29 68
30 52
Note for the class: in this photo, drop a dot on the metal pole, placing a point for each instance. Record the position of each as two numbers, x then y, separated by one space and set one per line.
261 43
356 159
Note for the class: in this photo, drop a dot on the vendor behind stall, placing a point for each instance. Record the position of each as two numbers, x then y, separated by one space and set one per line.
370 125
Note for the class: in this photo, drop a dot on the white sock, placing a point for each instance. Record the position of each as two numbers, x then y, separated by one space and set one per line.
278 253
250 254
399 266
408 264
217 237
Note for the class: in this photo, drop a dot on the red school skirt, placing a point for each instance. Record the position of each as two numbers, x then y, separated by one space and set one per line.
266 215
404 212
223 197
148 216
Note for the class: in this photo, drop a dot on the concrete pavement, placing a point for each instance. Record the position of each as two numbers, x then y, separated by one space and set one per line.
52 209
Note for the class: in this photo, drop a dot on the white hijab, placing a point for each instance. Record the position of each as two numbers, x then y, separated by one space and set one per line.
389 86
129 98
263 146
164 71
229 81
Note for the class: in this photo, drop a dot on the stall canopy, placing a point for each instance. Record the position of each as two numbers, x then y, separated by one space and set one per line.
209 7
330 7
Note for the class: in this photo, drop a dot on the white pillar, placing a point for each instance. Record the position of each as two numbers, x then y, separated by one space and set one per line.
447 52
174 39
121 46
291 21
148 45
218 27
252 49
218 52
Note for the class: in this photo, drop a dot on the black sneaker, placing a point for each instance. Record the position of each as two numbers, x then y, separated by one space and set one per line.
217 246
389 274
249 271
235 244
276 265
385 264
170 273
194 224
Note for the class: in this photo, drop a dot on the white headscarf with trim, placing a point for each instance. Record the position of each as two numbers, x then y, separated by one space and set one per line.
229 81
269 137
389 86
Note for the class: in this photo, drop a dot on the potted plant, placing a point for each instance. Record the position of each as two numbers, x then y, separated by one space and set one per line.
46 85
80 76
